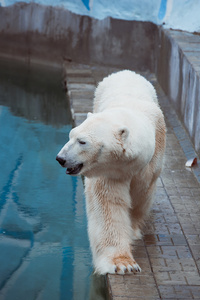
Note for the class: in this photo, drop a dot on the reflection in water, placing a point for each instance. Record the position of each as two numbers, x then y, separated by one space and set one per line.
44 248
43 90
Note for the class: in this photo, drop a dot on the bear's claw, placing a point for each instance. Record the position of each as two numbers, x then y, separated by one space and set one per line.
125 265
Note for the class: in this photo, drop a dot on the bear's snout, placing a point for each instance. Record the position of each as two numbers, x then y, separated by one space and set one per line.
61 160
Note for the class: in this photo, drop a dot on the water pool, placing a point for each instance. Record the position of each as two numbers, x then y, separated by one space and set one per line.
44 248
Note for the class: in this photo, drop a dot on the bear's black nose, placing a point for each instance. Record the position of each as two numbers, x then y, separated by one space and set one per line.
60 160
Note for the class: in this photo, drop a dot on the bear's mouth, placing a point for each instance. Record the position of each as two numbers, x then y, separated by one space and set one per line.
75 170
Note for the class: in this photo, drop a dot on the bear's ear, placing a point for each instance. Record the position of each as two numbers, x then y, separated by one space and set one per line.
89 114
123 132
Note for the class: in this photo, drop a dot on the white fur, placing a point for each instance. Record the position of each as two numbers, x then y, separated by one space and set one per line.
121 146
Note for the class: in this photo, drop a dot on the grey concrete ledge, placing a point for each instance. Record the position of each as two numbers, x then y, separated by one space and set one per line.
178 72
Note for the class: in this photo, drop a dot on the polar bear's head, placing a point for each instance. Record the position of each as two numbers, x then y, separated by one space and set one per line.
98 147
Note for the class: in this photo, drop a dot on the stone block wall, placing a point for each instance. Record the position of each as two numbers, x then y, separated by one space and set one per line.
51 34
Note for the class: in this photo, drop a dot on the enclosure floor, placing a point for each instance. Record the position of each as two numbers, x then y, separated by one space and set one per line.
169 253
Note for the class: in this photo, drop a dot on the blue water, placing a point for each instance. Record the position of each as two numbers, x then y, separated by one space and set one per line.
44 248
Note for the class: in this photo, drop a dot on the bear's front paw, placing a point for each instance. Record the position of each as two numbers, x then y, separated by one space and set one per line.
125 265
116 264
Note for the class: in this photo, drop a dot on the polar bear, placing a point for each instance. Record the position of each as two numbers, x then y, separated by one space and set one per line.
119 148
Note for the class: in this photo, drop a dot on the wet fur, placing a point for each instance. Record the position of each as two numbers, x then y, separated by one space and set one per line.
122 156
117 209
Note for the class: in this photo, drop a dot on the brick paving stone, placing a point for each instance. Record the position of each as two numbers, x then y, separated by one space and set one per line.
131 288
175 292
169 252
195 249
158 239
193 239
179 240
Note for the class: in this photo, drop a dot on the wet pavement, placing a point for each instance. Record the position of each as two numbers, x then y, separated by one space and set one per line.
169 253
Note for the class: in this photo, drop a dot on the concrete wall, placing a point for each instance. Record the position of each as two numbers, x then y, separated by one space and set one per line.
46 34
176 14
178 71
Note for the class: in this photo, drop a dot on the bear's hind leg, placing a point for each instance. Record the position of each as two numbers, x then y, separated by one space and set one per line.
141 204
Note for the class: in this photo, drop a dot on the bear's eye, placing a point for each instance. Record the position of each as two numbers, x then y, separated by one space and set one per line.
81 142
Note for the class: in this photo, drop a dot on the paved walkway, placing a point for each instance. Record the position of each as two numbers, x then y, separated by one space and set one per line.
169 253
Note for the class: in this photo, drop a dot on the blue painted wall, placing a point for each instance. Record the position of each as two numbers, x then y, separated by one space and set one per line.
176 14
